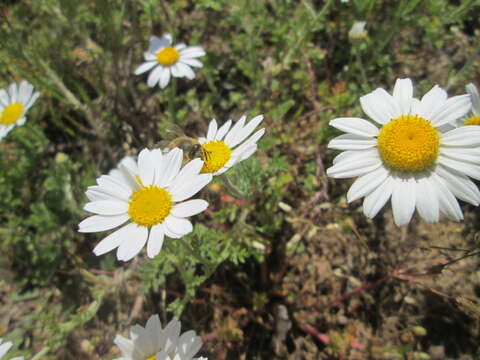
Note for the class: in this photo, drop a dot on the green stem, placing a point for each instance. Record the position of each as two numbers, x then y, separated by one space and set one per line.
172 92
363 74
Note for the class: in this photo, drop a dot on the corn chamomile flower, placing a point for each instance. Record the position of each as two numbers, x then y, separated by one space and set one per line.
155 343
473 117
4 349
14 104
409 158
167 60
224 147
150 195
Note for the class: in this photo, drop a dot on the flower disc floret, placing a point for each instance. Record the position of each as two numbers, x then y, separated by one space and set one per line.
474 120
215 155
11 114
168 56
153 357
409 144
149 206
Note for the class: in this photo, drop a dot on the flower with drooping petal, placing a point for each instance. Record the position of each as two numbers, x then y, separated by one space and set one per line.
150 195
14 104
4 349
224 147
473 117
166 60
409 158
155 343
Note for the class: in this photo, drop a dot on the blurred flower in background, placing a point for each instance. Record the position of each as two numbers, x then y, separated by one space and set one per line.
14 104
165 60
155 343
224 147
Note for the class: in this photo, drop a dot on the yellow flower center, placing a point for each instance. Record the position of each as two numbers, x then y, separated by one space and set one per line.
474 120
11 114
149 206
168 56
153 357
409 144
215 155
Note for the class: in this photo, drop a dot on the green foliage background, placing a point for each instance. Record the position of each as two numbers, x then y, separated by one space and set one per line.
290 60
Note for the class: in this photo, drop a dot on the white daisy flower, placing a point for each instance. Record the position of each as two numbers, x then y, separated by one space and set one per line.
167 60
473 117
409 159
150 196
4 349
14 104
224 147
155 343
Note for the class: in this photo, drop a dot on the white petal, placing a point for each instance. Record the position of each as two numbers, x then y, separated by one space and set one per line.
380 106
178 226
367 183
185 70
13 92
462 136
223 130
5 347
125 345
32 100
157 43
212 130
176 71
107 207
101 223
252 140
448 204
192 52
472 90
461 186
154 76
110 185
354 166
244 132
403 200
190 187
155 241
471 155
376 200
4 98
146 66
154 331
95 195
189 208
234 130
356 126
137 238
451 110
431 101
164 78
426 200
188 172
113 240
191 62
246 154
169 168
146 167
25 92
350 154
352 142
463 168
403 94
